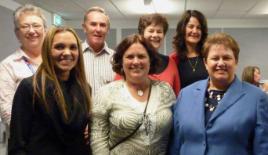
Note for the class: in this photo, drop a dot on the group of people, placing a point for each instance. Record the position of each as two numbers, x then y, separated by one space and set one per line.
67 97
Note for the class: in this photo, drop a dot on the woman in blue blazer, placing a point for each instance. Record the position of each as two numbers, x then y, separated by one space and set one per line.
220 115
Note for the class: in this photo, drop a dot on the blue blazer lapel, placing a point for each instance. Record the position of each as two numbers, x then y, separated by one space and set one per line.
199 99
232 95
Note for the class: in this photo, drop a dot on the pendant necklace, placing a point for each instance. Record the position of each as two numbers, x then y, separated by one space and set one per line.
140 93
193 66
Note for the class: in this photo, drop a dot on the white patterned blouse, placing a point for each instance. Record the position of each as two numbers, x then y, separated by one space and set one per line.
116 114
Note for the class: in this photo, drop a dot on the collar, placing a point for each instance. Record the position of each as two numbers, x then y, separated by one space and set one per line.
21 55
87 48
203 84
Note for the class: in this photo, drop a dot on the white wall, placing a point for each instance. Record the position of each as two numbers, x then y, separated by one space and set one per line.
8 40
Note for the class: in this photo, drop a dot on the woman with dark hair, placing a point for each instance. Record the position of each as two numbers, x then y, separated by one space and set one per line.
132 116
51 109
153 27
191 33
252 74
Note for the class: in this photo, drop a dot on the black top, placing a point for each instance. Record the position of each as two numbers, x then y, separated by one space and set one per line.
164 63
192 70
212 99
35 131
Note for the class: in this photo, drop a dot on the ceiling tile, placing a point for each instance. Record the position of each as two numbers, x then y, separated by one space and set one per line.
107 5
133 9
235 5
203 4
260 8
229 14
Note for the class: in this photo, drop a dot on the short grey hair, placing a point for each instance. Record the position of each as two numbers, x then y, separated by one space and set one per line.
97 9
25 9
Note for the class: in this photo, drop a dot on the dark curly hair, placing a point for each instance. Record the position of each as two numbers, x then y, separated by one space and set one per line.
179 39
154 18
120 50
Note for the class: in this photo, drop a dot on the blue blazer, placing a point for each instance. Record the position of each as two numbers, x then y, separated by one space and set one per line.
238 126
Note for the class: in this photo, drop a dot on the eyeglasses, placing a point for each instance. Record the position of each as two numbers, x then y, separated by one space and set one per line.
27 28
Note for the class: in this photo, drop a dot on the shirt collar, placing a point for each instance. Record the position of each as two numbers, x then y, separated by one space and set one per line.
21 55
87 48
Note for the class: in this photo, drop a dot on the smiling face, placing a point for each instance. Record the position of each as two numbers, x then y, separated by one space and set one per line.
96 28
136 63
155 35
65 53
30 32
221 65
193 32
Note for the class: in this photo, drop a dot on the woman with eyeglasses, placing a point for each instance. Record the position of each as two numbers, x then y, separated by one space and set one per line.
30 27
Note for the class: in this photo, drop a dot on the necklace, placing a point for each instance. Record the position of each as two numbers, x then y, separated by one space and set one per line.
193 66
140 93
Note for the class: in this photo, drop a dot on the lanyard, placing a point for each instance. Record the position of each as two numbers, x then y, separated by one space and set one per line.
30 66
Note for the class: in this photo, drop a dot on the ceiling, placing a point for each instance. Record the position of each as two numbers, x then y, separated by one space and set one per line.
172 9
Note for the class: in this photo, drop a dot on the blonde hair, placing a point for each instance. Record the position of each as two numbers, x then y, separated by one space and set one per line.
28 8
47 72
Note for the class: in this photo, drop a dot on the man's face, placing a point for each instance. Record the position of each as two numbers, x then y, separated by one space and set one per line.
96 28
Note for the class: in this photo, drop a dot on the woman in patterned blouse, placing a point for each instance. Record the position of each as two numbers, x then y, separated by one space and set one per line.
133 116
